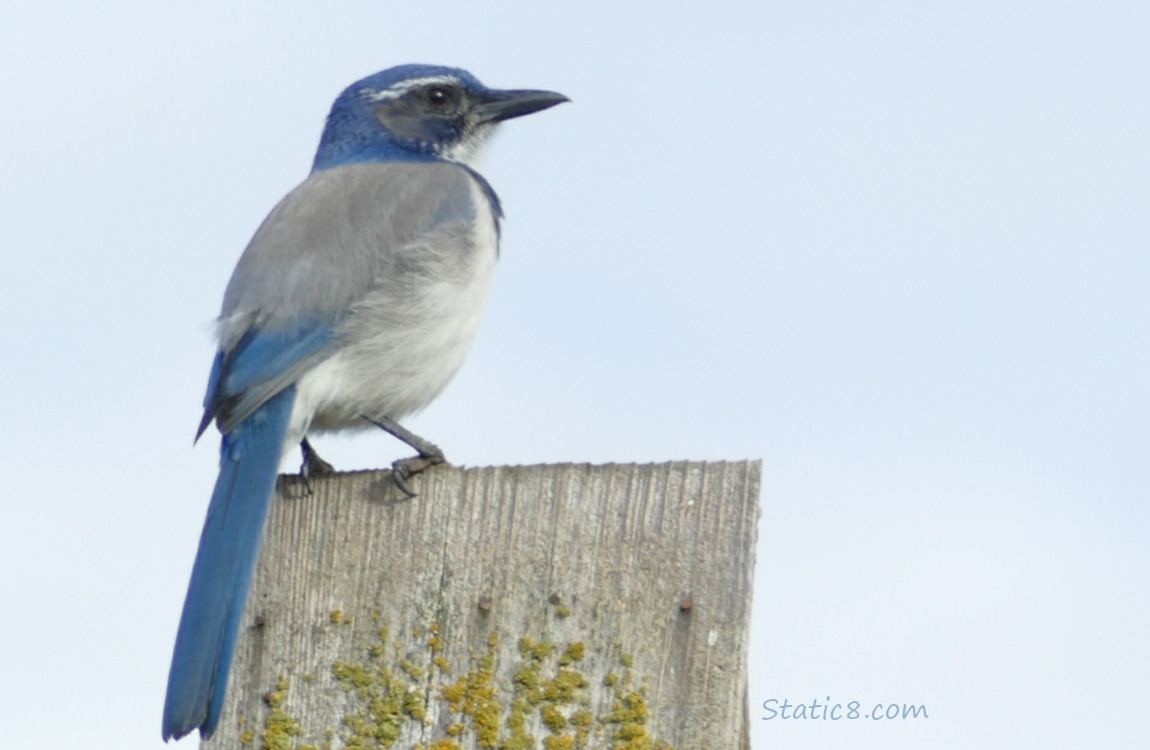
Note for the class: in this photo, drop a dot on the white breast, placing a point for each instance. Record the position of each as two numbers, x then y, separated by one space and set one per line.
408 338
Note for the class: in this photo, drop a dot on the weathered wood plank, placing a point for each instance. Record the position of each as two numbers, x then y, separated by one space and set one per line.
581 605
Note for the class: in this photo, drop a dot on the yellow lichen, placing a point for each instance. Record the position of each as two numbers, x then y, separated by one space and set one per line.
280 728
444 744
581 718
628 724
547 694
552 717
473 695
414 671
386 701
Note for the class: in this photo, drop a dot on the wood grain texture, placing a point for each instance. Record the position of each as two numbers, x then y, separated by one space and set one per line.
556 606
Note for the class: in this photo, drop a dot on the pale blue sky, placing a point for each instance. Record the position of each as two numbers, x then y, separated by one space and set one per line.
898 250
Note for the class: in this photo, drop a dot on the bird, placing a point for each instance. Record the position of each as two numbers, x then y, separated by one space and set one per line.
353 305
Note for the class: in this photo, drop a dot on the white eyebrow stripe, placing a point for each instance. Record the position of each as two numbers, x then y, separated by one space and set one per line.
396 90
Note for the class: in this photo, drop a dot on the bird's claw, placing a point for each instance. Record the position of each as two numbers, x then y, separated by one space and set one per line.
405 468
312 465
315 466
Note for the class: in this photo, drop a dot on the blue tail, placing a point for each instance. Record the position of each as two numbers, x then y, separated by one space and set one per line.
222 575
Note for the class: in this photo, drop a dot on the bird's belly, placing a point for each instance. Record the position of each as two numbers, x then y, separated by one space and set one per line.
402 352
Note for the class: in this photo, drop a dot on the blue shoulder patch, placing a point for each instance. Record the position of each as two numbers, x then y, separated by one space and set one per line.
261 365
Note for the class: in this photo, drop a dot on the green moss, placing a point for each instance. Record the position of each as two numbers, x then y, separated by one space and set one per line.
518 738
627 723
391 697
629 709
473 695
414 671
387 699
533 651
414 705
444 744
280 728
434 642
527 679
581 718
566 686
553 718
573 653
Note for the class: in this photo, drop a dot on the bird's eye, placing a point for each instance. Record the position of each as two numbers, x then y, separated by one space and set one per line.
438 97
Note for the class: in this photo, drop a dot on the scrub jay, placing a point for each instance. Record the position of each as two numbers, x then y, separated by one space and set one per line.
354 304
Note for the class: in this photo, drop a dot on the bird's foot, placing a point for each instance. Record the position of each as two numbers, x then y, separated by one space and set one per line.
312 465
405 468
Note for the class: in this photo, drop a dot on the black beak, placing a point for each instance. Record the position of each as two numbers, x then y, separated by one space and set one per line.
497 105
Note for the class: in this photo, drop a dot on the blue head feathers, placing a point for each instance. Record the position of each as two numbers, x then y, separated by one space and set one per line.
420 112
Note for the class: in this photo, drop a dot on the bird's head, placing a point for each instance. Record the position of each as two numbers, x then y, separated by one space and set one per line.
420 112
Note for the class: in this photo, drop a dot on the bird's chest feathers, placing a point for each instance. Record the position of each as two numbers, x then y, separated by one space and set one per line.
446 295
408 337
447 303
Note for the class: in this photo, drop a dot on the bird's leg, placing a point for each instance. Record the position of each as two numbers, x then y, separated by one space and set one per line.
313 465
405 468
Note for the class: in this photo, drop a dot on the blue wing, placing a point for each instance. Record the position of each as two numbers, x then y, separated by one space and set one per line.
255 369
